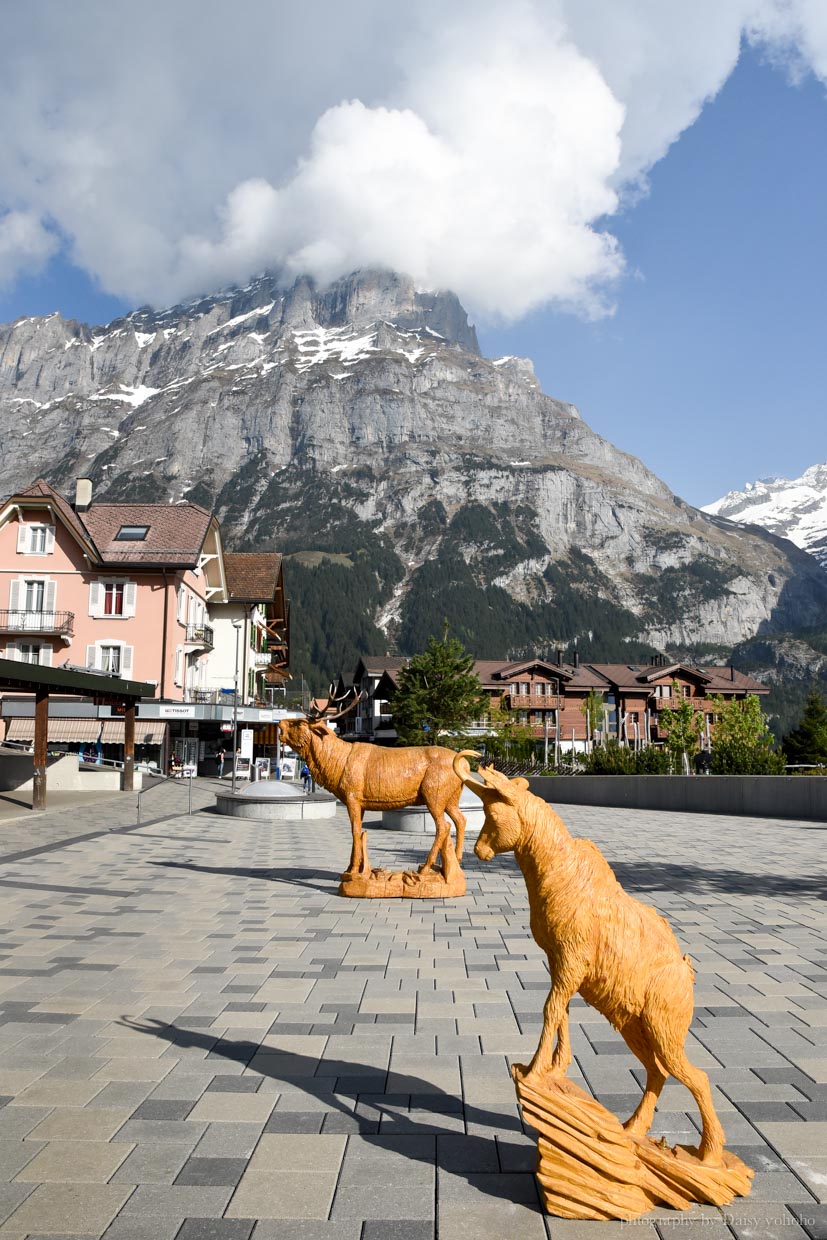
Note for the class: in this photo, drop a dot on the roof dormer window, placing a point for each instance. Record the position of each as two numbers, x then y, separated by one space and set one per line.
132 533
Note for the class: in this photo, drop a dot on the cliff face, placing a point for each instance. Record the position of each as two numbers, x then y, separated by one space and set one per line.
359 429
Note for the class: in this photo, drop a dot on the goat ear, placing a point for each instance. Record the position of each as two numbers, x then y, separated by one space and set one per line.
481 789
319 727
499 786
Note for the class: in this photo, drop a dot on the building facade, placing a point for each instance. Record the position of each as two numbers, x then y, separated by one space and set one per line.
547 696
145 592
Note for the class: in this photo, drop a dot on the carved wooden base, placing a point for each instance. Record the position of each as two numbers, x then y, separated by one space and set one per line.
589 1167
438 884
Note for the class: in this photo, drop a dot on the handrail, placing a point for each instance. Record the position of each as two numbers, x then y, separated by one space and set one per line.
19 620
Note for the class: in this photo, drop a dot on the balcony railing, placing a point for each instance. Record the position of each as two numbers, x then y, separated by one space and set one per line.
62 622
200 635
534 701
261 658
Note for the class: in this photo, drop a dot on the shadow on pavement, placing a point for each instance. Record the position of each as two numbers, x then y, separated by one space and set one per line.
356 1092
663 876
290 875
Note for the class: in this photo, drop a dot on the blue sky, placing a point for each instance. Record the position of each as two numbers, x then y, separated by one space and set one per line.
711 369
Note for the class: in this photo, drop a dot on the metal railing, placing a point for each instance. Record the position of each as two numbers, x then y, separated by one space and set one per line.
22 621
261 658
534 701
201 635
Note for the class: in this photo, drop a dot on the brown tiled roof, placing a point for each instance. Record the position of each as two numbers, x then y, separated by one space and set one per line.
727 678
175 536
252 576
67 512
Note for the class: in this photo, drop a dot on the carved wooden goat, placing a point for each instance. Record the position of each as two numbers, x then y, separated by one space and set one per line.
619 954
368 777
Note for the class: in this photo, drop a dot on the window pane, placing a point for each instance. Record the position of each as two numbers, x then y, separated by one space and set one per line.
132 533
111 658
34 595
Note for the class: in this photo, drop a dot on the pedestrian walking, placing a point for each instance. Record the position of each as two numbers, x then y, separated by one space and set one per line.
220 758
306 777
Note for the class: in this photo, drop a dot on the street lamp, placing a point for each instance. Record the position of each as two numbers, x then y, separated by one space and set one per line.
237 627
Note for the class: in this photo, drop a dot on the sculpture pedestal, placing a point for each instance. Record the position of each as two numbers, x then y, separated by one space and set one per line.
369 884
589 1167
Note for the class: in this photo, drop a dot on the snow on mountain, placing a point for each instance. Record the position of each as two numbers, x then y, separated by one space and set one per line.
792 508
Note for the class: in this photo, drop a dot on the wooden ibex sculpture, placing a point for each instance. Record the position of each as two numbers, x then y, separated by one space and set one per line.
619 954
370 777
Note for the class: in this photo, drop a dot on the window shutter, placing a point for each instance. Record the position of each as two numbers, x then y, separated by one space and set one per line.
130 592
11 652
182 605
22 537
14 596
46 656
126 661
91 659
49 595
179 654
95 595
50 539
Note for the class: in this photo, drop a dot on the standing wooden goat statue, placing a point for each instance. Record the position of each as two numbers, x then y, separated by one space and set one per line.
369 777
623 958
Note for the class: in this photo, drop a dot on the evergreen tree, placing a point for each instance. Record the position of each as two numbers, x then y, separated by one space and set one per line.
438 691
742 743
807 744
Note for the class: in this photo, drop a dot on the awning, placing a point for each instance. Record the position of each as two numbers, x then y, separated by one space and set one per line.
87 731
65 730
147 732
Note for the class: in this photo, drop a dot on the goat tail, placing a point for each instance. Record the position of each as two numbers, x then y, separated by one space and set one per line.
463 770
688 962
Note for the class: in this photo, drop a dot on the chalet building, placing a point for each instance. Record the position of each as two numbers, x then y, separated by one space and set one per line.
146 592
548 695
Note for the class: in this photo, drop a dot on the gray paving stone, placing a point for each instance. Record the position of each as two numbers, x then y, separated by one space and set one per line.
148 996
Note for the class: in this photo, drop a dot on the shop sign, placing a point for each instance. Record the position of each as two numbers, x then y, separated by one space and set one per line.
167 710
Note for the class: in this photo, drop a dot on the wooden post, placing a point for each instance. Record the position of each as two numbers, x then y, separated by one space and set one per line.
41 737
129 747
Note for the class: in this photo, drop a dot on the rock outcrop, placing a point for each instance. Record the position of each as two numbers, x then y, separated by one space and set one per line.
359 426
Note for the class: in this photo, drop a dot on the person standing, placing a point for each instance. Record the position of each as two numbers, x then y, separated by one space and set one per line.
220 758
306 777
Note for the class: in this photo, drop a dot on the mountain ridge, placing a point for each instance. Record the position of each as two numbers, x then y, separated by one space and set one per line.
361 422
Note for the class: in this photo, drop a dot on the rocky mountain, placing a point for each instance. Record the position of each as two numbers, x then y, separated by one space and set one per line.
358 430
793 508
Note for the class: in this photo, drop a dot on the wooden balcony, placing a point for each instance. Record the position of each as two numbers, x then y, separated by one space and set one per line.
534 701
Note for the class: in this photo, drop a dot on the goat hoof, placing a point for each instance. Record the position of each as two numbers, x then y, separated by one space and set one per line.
711 1156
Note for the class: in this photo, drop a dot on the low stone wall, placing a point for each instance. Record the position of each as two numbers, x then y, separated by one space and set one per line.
417 819
759 796
62 775
281 809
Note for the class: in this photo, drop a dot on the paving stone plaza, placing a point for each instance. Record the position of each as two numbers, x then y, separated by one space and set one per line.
200 1040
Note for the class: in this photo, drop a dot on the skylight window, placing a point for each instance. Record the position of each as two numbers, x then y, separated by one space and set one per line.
132 533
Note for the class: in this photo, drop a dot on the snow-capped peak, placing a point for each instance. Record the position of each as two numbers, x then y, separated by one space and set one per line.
794 508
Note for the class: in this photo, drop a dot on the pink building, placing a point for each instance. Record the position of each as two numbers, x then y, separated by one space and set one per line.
123 588
145 592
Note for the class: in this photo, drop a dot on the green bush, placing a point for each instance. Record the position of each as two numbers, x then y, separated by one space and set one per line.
615 759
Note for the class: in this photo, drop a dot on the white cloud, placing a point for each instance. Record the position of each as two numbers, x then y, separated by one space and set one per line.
176 150
25 244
